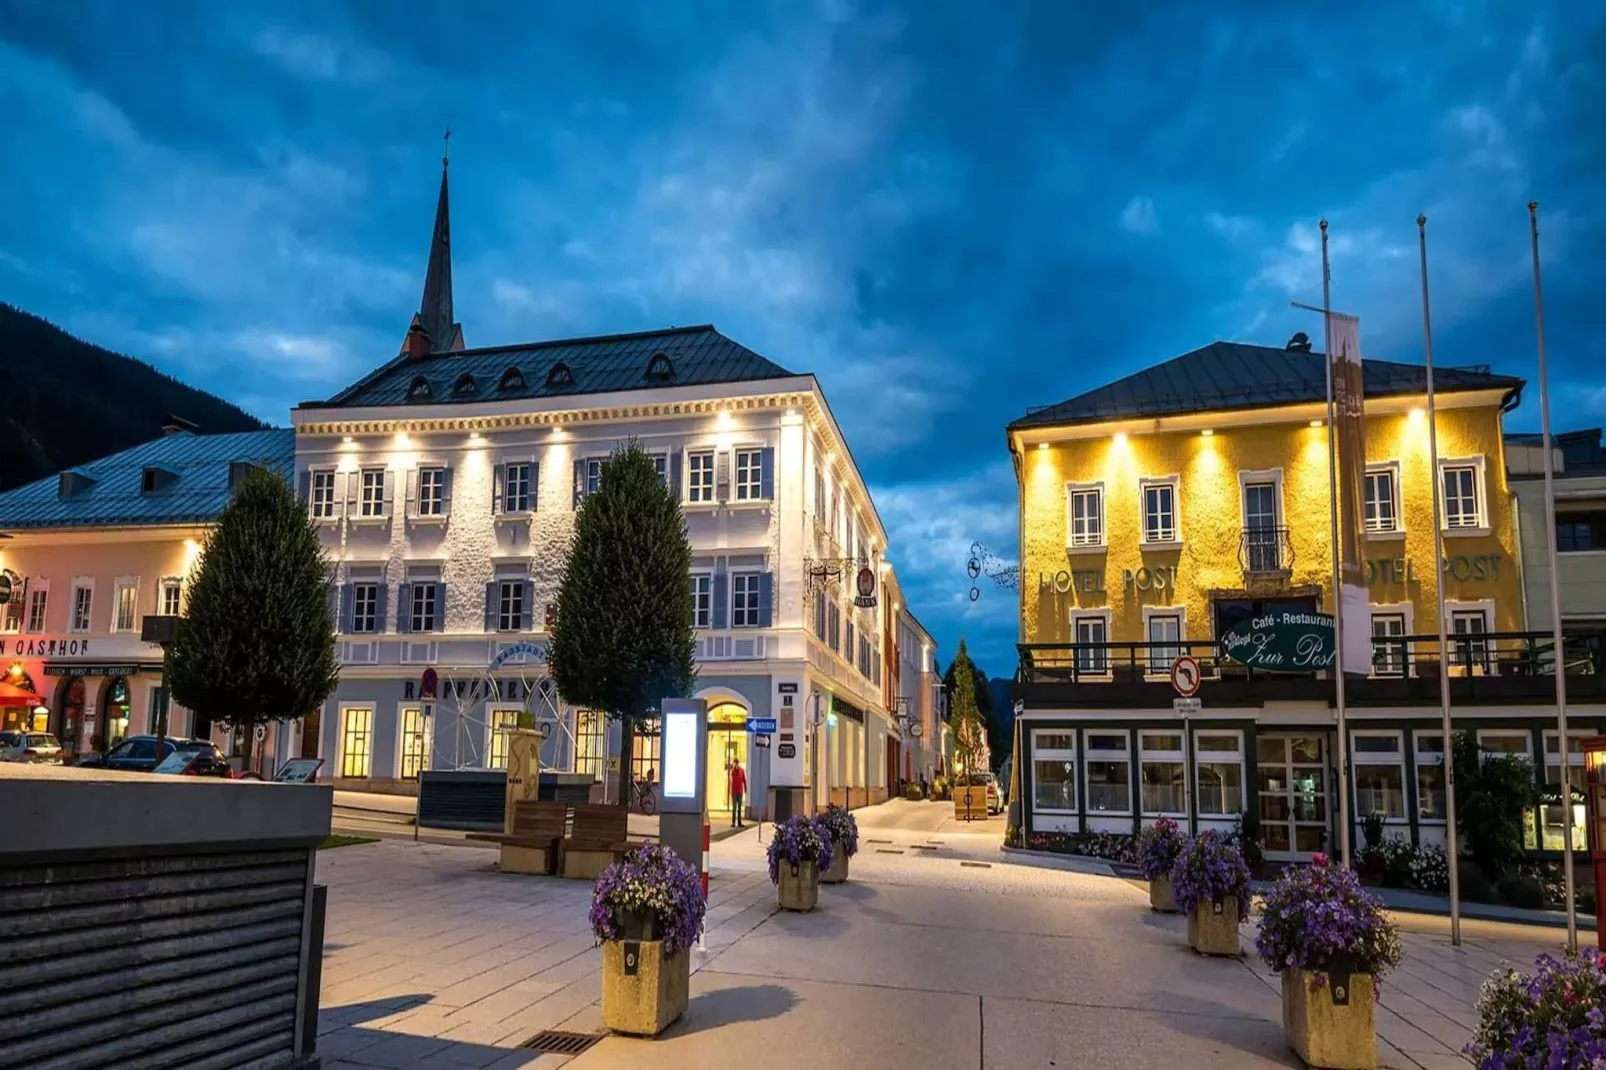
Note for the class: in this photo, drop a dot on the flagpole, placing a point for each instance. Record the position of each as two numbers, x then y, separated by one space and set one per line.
1338 600
1555 598
1438 584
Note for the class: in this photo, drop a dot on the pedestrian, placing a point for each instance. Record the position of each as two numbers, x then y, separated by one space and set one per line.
738 786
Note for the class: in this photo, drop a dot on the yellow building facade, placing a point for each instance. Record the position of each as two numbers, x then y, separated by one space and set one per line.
1170 511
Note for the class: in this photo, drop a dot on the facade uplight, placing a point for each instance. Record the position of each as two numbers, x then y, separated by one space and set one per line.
1206 433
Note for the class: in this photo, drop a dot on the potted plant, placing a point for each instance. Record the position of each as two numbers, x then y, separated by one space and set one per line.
844 832
1159 847
797 850
646 912
1211 883
1552 1017
1333 943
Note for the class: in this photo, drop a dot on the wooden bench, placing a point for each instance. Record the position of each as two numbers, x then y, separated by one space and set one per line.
531 845
600 836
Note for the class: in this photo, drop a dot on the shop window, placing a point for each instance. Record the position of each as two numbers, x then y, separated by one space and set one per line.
1516 743
1378 762
498 723
1556 805
1162 767
590 742
414 743
1430 793
1218 769
1109 773
1054 772
356 741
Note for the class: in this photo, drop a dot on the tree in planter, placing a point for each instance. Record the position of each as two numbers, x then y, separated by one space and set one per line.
623 638
256 644
964 717
1492 791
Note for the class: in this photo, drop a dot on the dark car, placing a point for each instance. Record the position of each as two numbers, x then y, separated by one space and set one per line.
139 754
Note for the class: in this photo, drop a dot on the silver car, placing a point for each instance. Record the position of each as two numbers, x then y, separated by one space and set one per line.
38 747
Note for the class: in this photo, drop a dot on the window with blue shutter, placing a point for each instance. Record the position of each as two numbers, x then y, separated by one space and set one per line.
767 473
674 474
381 591
346 599
498 482
766 599
404 608
526 604
490 606
721 596
579 481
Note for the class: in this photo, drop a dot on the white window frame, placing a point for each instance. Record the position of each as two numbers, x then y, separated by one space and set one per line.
498 715
1407 612
1374 529
432 506
1123 755
747 474
412 608
371 508
1056 754
173 585
1480 495
1507 733
81 585
505 621
1160 543
1426 759
1554 761
744 615
527 493
1274 476
334 501
702 599
1085 541
1151 613
378 625
700 489
128 585
1233 757
1479 664
1098 663
344 738
1358 758
1156 756
38 598
424 749
593 474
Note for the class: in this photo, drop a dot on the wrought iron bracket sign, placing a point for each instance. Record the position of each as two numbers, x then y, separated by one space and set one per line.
1284 640
866 585
984 562
825 573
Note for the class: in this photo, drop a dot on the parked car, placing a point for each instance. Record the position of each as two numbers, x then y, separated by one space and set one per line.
140 754
40 748
995 799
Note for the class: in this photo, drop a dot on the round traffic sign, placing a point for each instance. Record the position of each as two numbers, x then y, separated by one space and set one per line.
1185 675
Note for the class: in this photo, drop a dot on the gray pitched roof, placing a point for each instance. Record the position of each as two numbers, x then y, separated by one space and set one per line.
197 494
1233 375
698 356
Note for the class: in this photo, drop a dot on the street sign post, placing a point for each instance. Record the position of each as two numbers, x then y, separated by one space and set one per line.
764 725
1186 707
1185 675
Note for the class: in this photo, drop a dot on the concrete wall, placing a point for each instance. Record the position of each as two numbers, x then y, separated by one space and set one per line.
1210 519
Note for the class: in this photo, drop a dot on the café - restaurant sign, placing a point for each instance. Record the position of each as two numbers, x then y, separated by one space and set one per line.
1284 640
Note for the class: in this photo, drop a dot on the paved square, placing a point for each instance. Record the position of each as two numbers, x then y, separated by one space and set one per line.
926 958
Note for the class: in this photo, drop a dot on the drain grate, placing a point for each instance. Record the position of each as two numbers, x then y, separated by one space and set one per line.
925 847
887 851
557 1042
868 840
978 865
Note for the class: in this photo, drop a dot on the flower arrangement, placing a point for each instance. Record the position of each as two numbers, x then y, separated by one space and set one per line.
1318 918
1430 868
1556 1017
843 828
797 840
1210 868
1159 847
654 884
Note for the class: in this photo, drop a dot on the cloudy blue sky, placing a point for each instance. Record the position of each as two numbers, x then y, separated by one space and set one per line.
950 211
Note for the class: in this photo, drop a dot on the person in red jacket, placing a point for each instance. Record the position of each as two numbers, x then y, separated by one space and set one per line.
738 786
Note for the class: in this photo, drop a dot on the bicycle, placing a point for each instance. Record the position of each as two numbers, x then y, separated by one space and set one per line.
643 800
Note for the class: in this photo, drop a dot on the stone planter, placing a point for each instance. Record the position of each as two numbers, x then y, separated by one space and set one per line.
837 871
1160 897
970 803
644 997
1213 927
799 888
1331 1024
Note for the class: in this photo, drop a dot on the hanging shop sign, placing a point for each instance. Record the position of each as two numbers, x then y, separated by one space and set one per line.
427 683
10 584
866 587
1284 640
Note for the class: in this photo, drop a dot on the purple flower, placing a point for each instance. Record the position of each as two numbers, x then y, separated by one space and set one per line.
798 840
1210 868
843 828
1318 918
1555 1017
652 882
1159 847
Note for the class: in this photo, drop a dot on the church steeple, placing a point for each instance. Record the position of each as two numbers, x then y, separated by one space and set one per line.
435 312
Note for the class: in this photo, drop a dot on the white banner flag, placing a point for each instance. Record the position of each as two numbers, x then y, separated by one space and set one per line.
1349 433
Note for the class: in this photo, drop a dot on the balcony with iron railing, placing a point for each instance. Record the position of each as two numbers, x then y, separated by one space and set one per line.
1265 551
1486 668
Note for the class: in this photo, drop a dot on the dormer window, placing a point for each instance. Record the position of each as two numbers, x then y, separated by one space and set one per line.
153 479
72 482
238 471
512 379
560 375
419 389
660 369
465 387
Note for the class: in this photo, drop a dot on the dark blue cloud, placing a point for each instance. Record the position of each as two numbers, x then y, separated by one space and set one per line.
951 212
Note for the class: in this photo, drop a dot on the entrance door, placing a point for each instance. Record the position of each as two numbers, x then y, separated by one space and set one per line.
1292 773
724 748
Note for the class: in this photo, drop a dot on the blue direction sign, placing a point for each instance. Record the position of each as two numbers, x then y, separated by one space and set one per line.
761 724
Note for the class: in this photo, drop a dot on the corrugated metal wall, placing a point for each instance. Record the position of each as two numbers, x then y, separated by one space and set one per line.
187 961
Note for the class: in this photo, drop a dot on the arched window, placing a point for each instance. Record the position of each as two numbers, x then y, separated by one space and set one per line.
660 368
560 375
465 387
512 379
419 389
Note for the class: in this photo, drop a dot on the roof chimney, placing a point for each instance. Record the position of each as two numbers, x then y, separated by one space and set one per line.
1299 343
417 344
172 425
